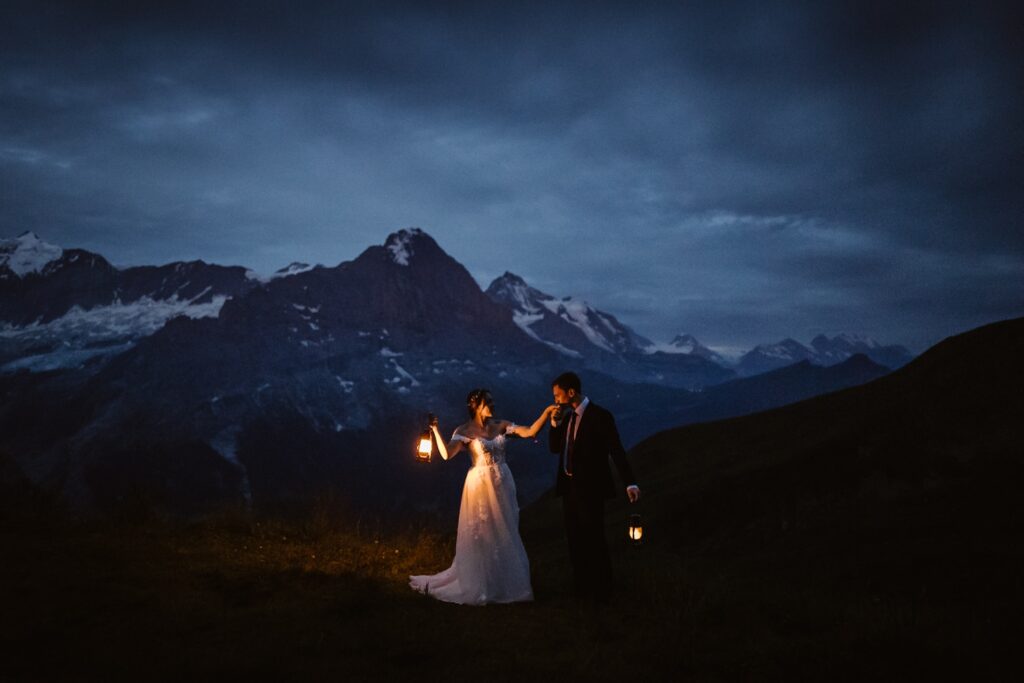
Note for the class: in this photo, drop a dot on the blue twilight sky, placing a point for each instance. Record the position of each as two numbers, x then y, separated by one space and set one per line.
740 171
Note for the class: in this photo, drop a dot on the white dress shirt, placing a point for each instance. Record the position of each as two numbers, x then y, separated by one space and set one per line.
579 415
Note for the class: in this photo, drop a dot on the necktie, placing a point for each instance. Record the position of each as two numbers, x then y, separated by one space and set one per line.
570 443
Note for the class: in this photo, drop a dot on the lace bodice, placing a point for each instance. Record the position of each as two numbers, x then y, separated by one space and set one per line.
484 452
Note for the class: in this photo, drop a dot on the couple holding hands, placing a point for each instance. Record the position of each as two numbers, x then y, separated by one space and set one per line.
490 563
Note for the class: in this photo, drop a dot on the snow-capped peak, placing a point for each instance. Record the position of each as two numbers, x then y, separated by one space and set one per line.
530 306
844 344
26 253
595 325
857 339
514 291
689 345
685 343
400 245
787 348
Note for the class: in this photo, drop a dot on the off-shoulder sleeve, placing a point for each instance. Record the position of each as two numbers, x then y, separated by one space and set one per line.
459 437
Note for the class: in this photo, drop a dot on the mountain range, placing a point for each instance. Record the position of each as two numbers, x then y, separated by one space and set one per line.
188 386
821 351
67 307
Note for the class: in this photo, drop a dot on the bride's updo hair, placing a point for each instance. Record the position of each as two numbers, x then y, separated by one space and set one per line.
475 398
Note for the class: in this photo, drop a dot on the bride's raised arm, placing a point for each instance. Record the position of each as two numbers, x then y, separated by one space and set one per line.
532 430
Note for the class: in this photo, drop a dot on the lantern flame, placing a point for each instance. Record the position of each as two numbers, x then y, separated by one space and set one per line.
636 529
425 447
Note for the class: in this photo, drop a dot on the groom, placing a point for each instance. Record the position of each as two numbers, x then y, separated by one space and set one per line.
584 436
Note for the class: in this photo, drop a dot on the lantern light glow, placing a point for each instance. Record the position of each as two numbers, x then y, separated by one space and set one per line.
426 446
636 529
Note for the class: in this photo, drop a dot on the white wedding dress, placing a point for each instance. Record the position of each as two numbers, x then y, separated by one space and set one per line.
490 562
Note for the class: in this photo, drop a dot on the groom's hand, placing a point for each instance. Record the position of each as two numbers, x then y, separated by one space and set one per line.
633 491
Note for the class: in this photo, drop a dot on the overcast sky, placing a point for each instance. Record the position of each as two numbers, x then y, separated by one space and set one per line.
740 172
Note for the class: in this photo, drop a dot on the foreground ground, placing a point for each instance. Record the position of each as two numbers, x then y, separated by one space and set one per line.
269 599
322 599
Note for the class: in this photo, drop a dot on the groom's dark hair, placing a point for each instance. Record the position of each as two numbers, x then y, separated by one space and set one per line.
567 381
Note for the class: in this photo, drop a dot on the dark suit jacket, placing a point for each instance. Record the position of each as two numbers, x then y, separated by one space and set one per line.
597 439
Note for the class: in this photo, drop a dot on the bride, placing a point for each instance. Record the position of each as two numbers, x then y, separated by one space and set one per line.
490 562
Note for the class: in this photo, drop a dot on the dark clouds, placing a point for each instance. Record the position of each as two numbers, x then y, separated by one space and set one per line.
742 172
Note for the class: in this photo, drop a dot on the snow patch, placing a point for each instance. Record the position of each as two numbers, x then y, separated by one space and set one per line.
732 354
577 313
403 374
289 270
138 318
518 292
854 339
62 359
399 244
525 320
79 334
27 254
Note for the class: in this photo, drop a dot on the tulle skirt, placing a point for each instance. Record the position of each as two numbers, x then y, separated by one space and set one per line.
490 562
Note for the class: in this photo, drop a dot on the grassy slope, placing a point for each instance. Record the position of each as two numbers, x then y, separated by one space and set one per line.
239 598
869 534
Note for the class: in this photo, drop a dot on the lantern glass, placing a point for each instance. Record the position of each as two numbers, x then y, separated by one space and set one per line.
636 529
425 448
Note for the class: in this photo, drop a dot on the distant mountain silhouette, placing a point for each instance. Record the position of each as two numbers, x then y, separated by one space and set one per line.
822 351
690 345
779 387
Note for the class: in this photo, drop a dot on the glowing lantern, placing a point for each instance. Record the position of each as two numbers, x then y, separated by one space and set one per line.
426 446
636 529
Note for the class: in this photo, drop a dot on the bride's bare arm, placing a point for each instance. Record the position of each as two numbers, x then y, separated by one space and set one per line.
449 451
532 430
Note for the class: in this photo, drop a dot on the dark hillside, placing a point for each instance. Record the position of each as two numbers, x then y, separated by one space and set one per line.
881 523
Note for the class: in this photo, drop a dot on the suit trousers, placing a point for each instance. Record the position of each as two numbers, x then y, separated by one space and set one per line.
588 547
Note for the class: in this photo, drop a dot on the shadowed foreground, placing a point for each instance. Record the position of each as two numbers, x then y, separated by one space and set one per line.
265 598
239 599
